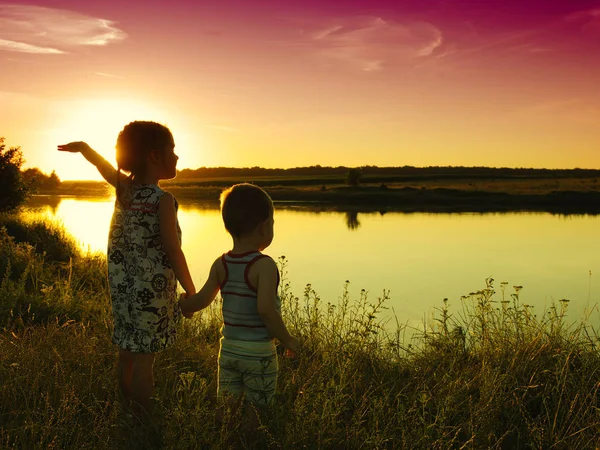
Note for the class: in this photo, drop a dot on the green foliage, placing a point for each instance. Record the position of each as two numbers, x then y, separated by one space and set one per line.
493 375
37 180
48 238
35 286
13 190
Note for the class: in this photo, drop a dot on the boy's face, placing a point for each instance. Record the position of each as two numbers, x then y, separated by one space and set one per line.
267 232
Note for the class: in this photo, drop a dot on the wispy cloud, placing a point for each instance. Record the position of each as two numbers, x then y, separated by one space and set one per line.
36 29
589 20
371 43
27 48
109 75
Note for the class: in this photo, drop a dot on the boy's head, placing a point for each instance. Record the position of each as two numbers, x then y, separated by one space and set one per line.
244 207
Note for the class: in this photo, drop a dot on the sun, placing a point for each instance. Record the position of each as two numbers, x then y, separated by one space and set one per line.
98 122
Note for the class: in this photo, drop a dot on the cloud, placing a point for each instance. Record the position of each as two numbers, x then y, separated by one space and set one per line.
372 43
27 48
36 29
589 20
109 75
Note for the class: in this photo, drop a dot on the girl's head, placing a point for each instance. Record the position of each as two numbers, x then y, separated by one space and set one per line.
247 209
142 145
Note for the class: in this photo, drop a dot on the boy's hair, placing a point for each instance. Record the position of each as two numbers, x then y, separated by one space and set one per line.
243 207
136 141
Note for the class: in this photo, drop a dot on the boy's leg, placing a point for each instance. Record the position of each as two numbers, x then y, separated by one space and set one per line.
125 372
229 387
260 380
260 383
143 380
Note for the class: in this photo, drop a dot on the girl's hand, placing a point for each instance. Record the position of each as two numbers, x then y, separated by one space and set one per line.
182 296
74 147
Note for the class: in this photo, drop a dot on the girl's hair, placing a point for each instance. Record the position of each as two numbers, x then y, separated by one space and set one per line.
134 144
243 207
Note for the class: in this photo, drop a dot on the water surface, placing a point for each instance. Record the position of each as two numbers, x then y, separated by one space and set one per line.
421 258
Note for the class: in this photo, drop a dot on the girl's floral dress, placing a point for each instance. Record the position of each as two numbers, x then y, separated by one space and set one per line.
143 287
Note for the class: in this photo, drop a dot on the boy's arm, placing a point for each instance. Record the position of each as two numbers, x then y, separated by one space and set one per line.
206 295
167 220
266 293
108 172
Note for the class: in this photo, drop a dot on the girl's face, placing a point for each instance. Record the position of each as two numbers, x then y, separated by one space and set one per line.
169 161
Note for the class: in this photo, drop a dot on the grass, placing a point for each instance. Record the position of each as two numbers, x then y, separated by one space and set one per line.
494 375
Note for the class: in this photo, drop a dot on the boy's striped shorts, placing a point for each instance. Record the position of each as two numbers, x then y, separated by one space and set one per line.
248 368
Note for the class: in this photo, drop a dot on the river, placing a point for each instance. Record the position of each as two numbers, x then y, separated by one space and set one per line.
420 258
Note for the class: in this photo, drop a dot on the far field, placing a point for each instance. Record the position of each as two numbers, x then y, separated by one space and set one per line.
432 189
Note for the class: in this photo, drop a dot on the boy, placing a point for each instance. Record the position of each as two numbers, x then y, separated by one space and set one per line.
248 281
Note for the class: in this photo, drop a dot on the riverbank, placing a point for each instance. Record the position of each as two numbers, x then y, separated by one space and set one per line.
563 195
494 376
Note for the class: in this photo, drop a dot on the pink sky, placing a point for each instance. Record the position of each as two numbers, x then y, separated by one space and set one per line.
291 83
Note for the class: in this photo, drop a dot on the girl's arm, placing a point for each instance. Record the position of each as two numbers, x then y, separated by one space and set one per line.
167 220
266 293
108 172
206 295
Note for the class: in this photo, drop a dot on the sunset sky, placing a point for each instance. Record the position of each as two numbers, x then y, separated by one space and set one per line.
281 83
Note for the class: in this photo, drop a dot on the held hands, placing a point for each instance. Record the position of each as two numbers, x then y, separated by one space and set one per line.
183 296
74 147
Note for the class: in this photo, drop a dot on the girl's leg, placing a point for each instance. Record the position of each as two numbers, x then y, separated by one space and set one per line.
125 372
142 386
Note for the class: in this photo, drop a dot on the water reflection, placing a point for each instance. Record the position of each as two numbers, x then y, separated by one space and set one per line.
352 220
421 258
44 202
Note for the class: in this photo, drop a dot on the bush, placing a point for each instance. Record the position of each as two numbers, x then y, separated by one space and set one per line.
43 275
13 190
49 239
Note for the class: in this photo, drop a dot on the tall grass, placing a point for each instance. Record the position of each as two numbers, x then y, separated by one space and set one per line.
492 376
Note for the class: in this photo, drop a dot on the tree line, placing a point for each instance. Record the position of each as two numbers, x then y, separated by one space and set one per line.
16 184
404 171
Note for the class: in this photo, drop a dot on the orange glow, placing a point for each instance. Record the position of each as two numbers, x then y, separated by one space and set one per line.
98 122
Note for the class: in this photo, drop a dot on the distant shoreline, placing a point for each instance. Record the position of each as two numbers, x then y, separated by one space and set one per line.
574 198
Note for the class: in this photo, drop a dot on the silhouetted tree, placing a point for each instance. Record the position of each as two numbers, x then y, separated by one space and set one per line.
13 190
51 182
35 180
353 176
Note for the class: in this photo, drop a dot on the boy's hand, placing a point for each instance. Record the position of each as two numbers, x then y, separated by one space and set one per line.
292 347
183 296
74 147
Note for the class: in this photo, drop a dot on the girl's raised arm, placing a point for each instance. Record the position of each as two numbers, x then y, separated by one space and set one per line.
108 172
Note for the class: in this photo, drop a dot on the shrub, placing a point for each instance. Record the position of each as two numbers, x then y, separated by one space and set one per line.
13 190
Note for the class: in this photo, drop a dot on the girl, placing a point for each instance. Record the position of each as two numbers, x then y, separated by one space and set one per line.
145 259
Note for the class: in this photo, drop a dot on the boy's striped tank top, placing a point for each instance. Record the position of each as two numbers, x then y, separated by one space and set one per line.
241 320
